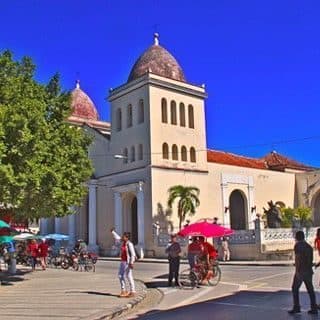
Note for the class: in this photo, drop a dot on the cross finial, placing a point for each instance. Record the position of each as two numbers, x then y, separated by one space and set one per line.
78 84
156 38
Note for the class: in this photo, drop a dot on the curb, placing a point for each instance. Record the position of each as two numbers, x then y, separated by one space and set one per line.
117 311
263 263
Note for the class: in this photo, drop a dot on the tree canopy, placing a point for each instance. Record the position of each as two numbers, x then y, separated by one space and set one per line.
188 201
43 159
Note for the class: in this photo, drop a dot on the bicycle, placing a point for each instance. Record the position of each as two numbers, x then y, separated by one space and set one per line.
200 273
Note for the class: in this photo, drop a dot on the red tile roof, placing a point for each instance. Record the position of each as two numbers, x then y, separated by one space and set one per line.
272 161
279 162
235 160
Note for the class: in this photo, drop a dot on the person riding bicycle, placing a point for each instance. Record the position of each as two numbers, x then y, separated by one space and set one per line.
80 247
195 250
208 257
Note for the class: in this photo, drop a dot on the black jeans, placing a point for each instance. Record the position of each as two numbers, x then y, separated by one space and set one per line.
297 281
174 264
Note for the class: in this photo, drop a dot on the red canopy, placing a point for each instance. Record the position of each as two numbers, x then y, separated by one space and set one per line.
205 228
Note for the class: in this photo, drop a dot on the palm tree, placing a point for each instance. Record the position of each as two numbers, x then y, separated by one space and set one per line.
187 198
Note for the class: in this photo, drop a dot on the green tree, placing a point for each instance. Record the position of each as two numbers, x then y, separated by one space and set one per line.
300 215
43 160
187 198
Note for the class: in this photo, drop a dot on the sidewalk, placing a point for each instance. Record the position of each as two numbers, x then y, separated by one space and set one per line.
278 263
63 294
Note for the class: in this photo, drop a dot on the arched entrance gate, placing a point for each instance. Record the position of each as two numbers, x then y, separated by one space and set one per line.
238 210
129 211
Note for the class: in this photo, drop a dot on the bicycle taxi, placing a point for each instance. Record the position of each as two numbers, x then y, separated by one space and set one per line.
204 266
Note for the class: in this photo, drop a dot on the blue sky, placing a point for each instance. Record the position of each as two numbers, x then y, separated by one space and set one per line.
260 60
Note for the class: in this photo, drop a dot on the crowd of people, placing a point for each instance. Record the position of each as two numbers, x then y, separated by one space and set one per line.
200 252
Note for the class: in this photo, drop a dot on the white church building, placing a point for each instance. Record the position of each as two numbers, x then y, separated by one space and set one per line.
157 139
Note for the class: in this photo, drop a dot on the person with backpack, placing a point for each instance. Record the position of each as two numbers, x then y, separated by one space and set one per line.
128 257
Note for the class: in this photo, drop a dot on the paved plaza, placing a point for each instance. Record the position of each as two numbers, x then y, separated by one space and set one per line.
245 292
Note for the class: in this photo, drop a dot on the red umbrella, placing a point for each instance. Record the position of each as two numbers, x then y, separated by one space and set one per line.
206 229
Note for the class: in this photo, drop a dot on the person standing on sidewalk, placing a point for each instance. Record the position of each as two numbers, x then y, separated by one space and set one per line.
173 250
128 257
303 263
225 249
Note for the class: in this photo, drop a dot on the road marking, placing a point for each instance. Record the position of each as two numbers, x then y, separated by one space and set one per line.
268 277
192 298
257 285
248 306
168 290
239 285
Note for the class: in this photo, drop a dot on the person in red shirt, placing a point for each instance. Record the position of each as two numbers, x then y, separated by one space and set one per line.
43 253
317 245
128 257
33 253
208 257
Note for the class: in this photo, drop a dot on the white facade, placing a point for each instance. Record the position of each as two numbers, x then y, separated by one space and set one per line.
149 151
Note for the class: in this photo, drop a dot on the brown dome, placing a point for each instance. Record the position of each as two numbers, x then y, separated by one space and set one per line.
159 61
82 106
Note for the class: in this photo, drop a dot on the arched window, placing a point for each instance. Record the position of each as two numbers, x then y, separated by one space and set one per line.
192 154
165 151
182 115
140 152
173 109
133 154
175 152
191 116
141 111
184 153
118 119
125 155
129 116
164 110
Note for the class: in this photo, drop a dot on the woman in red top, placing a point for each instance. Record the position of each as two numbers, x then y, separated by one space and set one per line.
43 253
33 253
317 245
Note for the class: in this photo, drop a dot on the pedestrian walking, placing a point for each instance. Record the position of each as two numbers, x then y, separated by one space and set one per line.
33 253
317 246
128 257
43 253
303 273
173 250
225 249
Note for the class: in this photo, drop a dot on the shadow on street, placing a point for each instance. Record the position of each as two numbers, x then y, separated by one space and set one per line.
243 305
7 279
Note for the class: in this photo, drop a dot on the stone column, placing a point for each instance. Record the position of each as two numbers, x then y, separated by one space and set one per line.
251 213
141 229
72 230
118 212
43 226
93 217
57 225
225 204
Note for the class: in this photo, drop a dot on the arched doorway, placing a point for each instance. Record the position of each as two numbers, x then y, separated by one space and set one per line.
134 221
316 210
237 207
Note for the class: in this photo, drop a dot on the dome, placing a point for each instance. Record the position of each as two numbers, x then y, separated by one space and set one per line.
159 61
82 106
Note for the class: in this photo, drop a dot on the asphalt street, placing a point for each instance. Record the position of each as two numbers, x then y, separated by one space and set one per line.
245 292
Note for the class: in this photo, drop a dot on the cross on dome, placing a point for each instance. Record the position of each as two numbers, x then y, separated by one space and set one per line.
156 38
